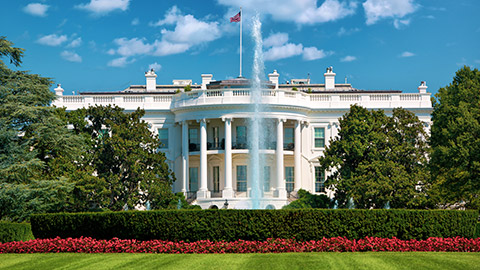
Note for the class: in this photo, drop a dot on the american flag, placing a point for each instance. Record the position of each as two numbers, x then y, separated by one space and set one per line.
236 18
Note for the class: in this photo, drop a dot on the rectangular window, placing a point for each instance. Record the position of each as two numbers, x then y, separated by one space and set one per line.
216 179
193 140
289 178
319 180
163 137
319 137
266 178
242 178
241 137
288 140
216 138
193 183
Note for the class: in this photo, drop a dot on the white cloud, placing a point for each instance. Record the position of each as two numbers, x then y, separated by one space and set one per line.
277 39
298 11
407 54
71 56
278 48
135 21
188 29
346 32
399 24
281 52
348 58
166 48
120 62
75 43
52 40
187 32
312 53
155 66
130 47
36 9
376 10
103 7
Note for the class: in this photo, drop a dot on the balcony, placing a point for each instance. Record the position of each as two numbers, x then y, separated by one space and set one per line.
281 97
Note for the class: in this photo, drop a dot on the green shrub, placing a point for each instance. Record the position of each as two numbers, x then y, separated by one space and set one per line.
477 231
15 232
308 200
231 225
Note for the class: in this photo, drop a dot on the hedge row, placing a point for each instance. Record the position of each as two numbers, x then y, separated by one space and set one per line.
477 231
230 225
15 232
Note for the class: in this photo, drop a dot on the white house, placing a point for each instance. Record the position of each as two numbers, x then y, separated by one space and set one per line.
205 138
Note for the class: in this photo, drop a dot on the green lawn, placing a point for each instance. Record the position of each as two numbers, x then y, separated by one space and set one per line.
370 260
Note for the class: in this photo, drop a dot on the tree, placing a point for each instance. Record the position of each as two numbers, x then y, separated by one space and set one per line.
455 162
378 159
123 154
308 200
32 134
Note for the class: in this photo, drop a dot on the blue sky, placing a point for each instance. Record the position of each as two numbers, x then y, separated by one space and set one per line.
106 45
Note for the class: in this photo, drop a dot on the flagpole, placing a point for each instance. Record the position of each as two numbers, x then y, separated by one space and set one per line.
241 19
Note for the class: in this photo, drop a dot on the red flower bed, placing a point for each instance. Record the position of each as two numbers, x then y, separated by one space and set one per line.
336 244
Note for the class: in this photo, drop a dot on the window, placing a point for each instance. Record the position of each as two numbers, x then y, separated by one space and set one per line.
266 178
241 137
193 183
319 180
216 179
319 137
242 178
216 139
193 144
288 140
163 137
289 178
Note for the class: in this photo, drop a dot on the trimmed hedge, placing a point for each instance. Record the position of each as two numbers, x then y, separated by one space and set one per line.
477 231
15 232
230 225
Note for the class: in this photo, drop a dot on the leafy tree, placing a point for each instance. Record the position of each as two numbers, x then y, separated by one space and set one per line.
455 162
308 200
378 159
32 134
123 154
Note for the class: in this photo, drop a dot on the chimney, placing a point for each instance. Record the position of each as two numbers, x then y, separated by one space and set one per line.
206 79
59 90
329 79
423 87
273 77
151 80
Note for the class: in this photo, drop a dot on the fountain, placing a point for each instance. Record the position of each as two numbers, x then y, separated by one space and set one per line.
256 134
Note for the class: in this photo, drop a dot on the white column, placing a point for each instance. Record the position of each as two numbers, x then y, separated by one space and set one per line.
297 155
280 192
203 190
185 156
228 190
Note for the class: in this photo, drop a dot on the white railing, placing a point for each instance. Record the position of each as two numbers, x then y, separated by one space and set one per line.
243 96
380 97
322 97
103 99
162 98
241 93
72 99
133 99
410 97
215 93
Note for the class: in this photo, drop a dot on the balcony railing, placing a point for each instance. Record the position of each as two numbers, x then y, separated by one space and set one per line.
243 96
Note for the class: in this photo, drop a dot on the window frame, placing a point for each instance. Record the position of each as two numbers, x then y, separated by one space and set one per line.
243 187
289 178
315 182
163 145
324 127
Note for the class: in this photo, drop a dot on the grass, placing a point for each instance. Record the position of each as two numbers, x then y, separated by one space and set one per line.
368 260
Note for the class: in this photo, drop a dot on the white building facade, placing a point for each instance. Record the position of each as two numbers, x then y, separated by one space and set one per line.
204 131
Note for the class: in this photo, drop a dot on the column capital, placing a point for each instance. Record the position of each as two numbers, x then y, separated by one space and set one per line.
227 119
282 120
202 120
305 122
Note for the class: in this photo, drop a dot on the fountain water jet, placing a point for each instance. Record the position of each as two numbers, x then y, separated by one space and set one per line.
256 136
